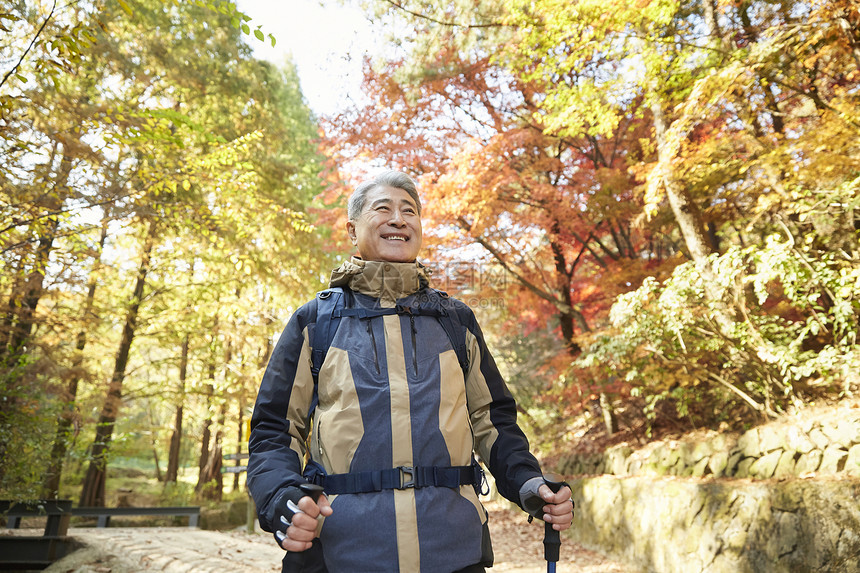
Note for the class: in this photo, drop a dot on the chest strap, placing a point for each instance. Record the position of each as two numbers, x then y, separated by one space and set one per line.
403 477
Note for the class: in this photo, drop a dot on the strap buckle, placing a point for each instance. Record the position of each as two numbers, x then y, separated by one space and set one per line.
407 477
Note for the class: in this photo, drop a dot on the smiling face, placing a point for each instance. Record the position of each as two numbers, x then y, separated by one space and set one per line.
388 227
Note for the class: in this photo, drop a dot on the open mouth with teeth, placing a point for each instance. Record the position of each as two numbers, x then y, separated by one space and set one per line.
395 238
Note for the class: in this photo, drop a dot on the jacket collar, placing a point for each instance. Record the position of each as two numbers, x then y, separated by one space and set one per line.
380 279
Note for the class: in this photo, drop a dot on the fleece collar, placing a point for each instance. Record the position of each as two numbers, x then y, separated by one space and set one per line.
381 279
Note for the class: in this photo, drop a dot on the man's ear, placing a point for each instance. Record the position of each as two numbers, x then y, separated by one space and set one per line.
350 230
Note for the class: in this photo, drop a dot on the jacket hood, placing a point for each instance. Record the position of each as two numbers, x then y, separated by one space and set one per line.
381 279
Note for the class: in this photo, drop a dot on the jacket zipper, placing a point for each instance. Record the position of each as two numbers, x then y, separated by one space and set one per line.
414 351
373 343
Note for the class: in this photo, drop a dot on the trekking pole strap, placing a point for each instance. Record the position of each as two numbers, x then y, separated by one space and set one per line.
403 477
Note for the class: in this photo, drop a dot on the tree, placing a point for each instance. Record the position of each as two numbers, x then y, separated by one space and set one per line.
726 84
735 96
226 168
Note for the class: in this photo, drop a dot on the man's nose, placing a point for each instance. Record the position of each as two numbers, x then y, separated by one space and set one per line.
397 219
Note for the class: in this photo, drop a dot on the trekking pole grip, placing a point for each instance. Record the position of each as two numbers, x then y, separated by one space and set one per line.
312 490
551 537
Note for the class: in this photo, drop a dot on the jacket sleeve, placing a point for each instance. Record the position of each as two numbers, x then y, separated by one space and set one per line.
280 422
493 412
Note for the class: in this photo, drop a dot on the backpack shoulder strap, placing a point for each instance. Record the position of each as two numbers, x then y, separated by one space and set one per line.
455 327
329 305
330 309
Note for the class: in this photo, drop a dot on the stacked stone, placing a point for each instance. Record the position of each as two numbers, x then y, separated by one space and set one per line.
675 525
824 445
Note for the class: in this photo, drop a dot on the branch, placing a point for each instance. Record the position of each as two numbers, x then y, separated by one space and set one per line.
21 222
498 256
443 23
744 396
30 47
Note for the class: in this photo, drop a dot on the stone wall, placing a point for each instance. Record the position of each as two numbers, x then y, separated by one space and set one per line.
823 444
684 525
782 497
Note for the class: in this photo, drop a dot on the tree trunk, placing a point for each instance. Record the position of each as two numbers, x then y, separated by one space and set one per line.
93 491
153 436
176 437
211 471
693 229
21 317
610 423
158 477
207 433
23 301
51 486
213 466
239 444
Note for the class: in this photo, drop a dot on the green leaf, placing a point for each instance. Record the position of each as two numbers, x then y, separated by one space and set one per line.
272 38
125 7
260 36
246 29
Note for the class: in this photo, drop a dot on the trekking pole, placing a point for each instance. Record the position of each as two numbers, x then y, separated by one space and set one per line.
312 490
533 504
551 537
295 561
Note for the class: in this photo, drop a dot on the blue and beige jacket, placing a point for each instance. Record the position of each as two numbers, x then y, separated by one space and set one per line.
390 393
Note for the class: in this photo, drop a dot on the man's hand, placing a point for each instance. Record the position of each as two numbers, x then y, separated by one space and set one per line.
297 533
559 507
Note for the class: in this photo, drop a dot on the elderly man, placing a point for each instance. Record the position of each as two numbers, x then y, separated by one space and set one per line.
381 391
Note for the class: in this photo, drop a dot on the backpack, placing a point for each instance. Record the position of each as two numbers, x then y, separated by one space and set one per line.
331 308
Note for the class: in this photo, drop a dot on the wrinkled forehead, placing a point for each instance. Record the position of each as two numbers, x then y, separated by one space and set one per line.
385 195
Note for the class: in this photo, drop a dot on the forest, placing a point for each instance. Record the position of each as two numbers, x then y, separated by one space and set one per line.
652 205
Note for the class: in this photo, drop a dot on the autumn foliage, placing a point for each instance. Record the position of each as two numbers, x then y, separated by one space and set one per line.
670 186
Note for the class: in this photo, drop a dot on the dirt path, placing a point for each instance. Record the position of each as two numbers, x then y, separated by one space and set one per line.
517 546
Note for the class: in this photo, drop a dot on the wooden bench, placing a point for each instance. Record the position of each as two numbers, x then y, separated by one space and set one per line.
105 513
20 552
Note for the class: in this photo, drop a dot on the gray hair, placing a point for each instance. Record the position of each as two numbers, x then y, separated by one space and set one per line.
395 179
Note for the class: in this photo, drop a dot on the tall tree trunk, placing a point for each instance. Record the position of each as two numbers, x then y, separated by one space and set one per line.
207 432
51 486
693 229
23 301
176 437
21 313
212 471
686 212
12 357
154 441
93 491
21 318
239 437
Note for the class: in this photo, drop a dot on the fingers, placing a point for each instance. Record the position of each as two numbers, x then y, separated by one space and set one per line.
294 546
560 496
310 508
302 528
325 508
559 507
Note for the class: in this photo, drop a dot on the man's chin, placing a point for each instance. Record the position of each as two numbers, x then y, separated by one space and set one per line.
397 258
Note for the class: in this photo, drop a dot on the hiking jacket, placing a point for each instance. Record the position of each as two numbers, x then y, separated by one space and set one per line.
391 393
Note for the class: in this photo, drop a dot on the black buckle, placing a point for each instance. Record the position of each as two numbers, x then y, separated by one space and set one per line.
407 482
479 479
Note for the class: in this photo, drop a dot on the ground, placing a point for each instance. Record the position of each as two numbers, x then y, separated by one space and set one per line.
518 547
